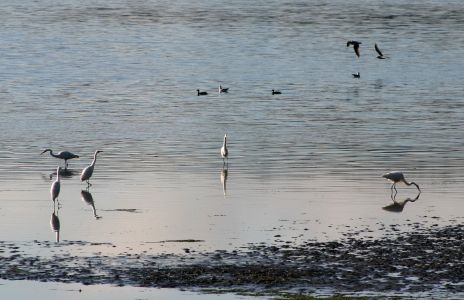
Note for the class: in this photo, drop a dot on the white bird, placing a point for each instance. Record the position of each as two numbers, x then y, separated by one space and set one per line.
55 188
223 90
396 177
88 171
62 155
224 151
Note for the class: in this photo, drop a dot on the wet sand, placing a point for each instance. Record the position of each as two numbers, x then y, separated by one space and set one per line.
427 259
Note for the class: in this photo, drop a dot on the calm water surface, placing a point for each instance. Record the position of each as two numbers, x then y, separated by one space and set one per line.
121 76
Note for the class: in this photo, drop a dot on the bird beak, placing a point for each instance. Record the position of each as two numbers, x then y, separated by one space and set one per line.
43 152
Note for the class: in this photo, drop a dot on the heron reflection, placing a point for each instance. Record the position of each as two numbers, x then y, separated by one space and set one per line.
64 173
398 206
224 174
87 198
55 222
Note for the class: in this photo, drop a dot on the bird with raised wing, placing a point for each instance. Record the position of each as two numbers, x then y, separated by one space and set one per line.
355 46
380 55
65 155
223 90
88 171
396 177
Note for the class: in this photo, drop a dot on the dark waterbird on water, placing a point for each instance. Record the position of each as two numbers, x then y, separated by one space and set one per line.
223 90
355 46
396 177
356 75
62 155
276 92
201 93
380 56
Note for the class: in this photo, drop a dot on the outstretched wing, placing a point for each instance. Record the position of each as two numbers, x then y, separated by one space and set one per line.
378 50
356 49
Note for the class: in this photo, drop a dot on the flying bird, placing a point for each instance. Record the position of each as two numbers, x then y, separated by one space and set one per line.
55 188
396 177
88 171
223 90
224 151
380 56
62 155
356 75
201 93
355 46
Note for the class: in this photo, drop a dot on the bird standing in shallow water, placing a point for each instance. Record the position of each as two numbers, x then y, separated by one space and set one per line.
355 46
55 188
224 152
63 155
396 177
88 171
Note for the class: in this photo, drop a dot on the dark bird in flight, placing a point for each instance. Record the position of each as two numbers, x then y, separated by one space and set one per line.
379 52
355 46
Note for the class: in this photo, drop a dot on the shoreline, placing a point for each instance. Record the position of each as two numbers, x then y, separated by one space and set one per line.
428 259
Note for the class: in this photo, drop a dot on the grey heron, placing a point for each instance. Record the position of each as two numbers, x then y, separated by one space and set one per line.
62 155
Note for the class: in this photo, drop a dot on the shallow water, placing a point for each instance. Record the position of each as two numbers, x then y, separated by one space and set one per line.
121 76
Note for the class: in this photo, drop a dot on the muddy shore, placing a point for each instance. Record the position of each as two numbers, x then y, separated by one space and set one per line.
428 258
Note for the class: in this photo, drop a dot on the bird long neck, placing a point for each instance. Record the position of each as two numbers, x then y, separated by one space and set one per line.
94 159
225 142
58 175
52 154
411 183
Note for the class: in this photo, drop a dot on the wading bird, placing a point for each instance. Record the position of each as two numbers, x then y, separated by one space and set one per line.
276 92
62 155
223 90
380 56
396 177
55 188
201 93
356 75
224 151
88 171
355 46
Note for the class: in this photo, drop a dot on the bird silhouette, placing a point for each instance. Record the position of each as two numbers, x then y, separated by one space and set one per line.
356 75
355 46
55 188
276 92
396 177
55 223
201 93
380 56
87 198
223 90
88 171
224 151
398 206
65 155
224 174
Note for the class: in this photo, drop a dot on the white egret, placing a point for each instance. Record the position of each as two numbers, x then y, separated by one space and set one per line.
62 155
55 188
88 171
224 151
396 177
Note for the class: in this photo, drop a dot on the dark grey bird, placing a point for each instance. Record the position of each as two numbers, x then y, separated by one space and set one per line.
88 171
62 155
398 206
223 90
55 223
276 92
396 177
355 46
380 56
356 75
201 93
